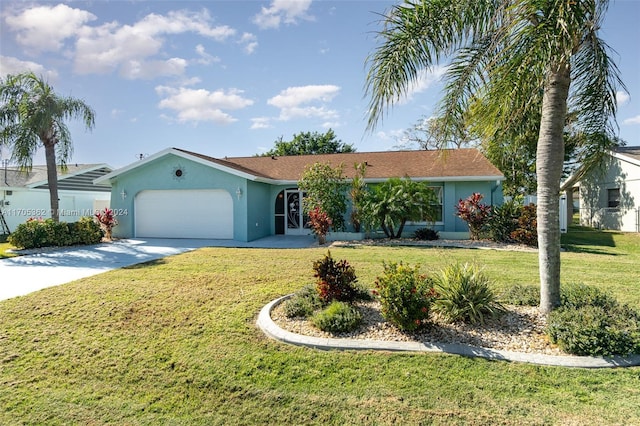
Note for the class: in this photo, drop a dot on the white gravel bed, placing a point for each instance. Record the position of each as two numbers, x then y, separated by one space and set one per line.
519 329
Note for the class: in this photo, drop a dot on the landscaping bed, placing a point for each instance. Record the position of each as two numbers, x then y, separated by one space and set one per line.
519 329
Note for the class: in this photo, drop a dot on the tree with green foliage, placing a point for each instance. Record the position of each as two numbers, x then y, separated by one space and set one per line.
391 204
309 143
325 188
511 59
32 115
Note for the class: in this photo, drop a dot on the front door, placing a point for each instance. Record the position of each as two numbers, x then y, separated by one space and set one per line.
296 222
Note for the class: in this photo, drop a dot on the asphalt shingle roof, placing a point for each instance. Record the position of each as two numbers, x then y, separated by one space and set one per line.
380 165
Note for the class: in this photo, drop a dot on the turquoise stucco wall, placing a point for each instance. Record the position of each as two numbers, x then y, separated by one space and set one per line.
260 213
254 209
160 174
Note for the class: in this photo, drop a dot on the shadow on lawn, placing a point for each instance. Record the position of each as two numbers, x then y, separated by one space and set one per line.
148 264
581 239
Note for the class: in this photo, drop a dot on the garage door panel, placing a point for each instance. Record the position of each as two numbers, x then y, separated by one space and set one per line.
184 214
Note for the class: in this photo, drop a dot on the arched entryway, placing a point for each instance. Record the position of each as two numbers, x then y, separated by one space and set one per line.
289 217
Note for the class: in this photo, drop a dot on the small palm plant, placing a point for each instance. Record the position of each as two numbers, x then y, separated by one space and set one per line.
464 294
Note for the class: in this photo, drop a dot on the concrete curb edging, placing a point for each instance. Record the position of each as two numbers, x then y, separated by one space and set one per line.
272 330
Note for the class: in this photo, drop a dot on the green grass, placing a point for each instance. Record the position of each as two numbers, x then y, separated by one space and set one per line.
3 250
174 342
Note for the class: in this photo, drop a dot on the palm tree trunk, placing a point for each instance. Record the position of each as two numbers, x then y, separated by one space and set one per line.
549 160
52 177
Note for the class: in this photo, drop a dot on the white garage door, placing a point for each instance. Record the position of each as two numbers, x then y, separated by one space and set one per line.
184 214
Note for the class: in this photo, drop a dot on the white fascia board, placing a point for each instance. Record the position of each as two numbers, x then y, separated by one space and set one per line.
621 156
177 153
443 179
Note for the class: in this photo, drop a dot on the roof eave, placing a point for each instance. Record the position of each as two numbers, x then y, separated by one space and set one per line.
108 177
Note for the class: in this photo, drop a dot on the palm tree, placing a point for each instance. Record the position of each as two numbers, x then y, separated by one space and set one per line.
33 115
510 60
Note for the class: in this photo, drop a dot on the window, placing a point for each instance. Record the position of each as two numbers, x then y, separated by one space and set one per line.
613 197
438 206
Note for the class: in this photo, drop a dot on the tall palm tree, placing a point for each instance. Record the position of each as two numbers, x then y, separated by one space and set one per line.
510 59
32 115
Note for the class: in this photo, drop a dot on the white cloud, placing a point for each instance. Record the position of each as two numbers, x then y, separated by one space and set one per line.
293 101
133 70
622 98
111 46
194 105
283 11
424 80
45 28
261 123
205 58
11 65
250 43
632 120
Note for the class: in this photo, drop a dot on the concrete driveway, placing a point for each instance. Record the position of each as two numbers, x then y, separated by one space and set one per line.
24 274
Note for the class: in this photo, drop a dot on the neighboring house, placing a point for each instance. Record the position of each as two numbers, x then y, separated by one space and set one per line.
180 194
25 195
609 198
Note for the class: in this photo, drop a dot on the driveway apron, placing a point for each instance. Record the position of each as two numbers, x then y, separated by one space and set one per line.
28 273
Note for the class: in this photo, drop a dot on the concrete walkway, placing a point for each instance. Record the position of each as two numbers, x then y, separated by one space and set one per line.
49 267
272 330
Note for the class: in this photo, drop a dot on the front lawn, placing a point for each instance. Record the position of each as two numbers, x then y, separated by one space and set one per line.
174 341
3 250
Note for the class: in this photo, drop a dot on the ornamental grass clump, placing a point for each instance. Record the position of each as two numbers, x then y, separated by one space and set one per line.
405 296
464 294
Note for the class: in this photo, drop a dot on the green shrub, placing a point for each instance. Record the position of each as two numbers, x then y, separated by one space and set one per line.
522 295
575 296
527 230
464 294
336 280
338 317
405 296
303 303
36 233
31 234
503 221
595 331
426 234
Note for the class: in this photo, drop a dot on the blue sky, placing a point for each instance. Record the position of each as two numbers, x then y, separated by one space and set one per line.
228 78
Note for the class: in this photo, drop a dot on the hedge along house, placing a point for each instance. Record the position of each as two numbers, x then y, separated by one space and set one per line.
180 194
25 194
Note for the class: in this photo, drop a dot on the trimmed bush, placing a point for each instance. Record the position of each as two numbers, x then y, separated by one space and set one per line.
464 294
522 295
338 317
595 331
575 296
426 234
405 296
36 233
336 280
592 322
303 303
